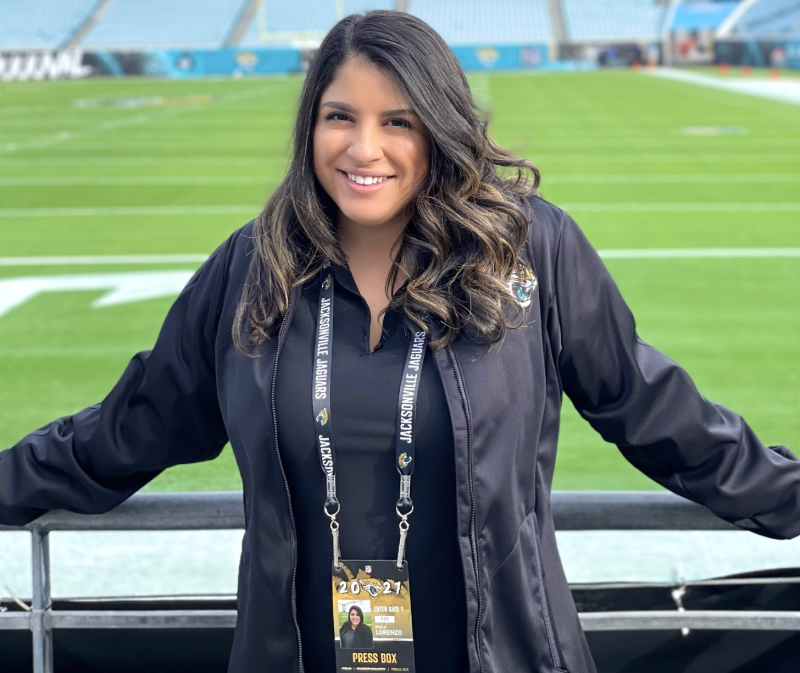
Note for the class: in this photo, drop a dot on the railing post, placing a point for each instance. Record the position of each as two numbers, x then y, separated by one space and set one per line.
40 619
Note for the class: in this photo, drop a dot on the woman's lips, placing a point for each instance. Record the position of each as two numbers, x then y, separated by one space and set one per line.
364 189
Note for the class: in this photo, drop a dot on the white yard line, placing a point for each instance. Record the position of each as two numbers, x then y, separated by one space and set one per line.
686 157
195 258
677 207
669 207
549 179
116 211
683 178
163 160
90 181
698 253
786 90
102 260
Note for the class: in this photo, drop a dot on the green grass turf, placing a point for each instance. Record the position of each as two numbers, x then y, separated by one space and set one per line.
611 148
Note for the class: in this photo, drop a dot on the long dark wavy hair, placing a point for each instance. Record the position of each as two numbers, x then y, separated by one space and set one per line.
469 219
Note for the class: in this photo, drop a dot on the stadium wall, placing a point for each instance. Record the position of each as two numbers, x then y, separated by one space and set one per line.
232 62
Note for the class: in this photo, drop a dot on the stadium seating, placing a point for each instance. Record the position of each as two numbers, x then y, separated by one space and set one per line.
281 18
41 24
473 21
776 17
613 19
165 24
463 21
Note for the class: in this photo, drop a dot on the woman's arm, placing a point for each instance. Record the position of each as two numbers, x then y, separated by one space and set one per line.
163 411
639 399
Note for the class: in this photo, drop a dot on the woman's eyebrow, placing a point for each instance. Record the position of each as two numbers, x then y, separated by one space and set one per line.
347 108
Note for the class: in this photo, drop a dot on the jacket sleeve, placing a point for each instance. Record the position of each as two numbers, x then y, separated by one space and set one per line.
640 400
163 411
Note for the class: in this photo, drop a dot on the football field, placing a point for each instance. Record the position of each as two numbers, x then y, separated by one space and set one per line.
113 191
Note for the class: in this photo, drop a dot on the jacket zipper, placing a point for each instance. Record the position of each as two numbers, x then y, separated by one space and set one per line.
472 535
548 625
286 484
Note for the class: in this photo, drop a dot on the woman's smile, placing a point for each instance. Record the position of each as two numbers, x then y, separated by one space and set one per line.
365 184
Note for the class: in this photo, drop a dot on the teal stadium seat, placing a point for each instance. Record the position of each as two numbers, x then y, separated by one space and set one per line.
613 19
41 24
776 18
165 24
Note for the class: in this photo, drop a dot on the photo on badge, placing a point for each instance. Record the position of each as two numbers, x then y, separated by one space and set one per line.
355 624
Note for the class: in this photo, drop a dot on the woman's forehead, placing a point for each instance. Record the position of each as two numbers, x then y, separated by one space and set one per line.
359 84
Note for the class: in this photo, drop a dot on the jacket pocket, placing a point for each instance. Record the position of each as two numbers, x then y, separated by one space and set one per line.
547 615
517 628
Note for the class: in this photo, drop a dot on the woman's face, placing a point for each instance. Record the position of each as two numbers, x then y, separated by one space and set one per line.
355 618
365 133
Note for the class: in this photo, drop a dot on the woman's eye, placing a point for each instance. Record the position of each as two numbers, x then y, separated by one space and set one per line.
336 116
400 123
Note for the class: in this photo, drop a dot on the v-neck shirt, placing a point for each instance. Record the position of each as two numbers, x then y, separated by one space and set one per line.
364 391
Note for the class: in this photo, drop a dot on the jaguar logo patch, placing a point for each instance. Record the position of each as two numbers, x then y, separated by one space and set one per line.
322 416
522 284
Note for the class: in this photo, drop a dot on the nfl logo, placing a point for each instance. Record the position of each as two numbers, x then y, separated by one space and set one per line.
368 568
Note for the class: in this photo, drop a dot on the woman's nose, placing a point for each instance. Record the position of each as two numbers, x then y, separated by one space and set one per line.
365 145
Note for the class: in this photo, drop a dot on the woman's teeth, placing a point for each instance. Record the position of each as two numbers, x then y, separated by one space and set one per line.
361 180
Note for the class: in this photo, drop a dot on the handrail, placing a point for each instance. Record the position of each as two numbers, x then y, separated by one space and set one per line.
572 510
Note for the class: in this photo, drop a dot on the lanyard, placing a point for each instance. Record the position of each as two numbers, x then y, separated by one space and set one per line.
405 442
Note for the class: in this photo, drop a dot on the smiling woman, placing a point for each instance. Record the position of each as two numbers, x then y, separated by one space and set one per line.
393 172
407 281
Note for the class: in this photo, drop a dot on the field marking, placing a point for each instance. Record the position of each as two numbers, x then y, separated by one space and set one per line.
116 211
705 178
150 160
110 125
611 253
243 209
136 180
123 288
698 253
592 178
687 157
785 91
102 260
671 207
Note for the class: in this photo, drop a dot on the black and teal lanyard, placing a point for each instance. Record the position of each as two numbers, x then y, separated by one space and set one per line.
405 442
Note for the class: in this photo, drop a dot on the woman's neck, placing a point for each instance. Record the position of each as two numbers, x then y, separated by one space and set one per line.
374 243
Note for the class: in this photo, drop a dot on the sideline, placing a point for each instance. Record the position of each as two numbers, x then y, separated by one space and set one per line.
550 179
621 253
783 90
253 211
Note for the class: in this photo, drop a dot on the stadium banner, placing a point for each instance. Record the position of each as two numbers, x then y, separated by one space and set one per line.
182 64
502 57
39 65
793 54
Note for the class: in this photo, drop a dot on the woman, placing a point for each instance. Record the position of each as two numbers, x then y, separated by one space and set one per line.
395 183
354 633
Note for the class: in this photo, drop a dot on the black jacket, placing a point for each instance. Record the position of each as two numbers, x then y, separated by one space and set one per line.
362 638
183 400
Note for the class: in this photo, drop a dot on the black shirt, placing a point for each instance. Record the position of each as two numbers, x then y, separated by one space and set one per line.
364 392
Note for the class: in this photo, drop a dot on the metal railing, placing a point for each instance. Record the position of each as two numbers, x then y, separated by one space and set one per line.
572 510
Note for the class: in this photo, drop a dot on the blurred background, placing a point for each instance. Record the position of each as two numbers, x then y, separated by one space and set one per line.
136 135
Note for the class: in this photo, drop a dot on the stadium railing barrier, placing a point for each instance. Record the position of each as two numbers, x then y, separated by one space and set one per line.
572 510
